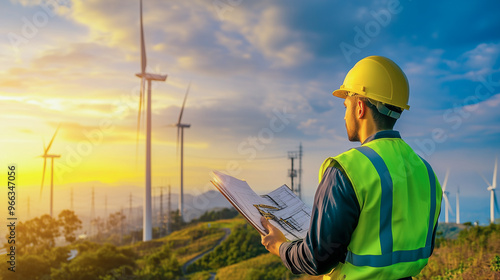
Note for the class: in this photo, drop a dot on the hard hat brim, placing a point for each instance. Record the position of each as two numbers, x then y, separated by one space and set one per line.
340 93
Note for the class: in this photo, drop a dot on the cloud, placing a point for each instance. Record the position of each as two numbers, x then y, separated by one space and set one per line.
484 56
467 127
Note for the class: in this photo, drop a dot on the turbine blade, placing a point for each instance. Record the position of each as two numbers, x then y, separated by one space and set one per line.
494 183
451 210
485 180
52 140
43 175
139 120
447 203
446 179
184 103
143 47
445 197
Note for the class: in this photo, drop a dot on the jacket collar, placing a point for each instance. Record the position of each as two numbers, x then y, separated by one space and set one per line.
383 134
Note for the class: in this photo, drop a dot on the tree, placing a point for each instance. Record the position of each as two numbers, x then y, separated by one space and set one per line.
161 265
36 235
99 224
70 223
242 244
39 234
92 264
115 221
176 223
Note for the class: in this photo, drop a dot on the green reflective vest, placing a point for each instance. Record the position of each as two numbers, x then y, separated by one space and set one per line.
400 200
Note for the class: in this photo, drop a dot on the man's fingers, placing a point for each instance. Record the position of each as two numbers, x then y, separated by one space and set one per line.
264 239
266 224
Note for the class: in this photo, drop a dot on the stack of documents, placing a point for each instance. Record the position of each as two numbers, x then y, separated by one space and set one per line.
281 207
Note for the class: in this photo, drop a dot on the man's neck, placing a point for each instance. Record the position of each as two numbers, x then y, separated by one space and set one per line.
367 132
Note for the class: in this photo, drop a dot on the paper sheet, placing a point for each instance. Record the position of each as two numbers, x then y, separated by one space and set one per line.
282 207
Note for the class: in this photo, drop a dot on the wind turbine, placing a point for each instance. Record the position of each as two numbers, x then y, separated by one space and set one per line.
445 196
180 132
147 227
45 156
491 188
458 205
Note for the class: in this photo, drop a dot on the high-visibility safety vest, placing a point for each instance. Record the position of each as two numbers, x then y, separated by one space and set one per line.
400 200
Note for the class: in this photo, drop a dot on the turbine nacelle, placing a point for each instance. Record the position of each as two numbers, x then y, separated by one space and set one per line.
152 77
50 156
182 125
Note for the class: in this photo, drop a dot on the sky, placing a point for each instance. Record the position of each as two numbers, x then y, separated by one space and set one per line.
261 73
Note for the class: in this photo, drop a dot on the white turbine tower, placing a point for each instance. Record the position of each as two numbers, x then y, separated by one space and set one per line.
491 188
45 156
447 206
458 205
147 226
180 132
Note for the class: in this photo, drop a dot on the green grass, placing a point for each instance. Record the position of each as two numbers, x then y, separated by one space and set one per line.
203 275
263 267
473 255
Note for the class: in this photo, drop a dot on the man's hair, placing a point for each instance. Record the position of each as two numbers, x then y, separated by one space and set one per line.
382 121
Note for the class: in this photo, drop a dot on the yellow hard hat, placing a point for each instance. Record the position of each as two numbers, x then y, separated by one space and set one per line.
380 79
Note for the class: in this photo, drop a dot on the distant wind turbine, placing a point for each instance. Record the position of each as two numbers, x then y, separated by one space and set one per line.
45 157
491 188
180 132
147 230
445 196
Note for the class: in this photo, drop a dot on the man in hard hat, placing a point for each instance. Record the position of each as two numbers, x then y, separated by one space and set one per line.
376 208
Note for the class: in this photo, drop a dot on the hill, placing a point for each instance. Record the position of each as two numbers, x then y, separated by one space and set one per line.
449 230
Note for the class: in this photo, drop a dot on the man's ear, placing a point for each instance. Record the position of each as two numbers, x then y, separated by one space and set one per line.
360 109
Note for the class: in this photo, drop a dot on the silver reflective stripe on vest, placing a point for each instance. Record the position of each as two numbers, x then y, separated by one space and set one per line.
388 257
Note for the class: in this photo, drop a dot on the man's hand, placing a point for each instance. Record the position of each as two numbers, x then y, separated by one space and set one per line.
273 239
